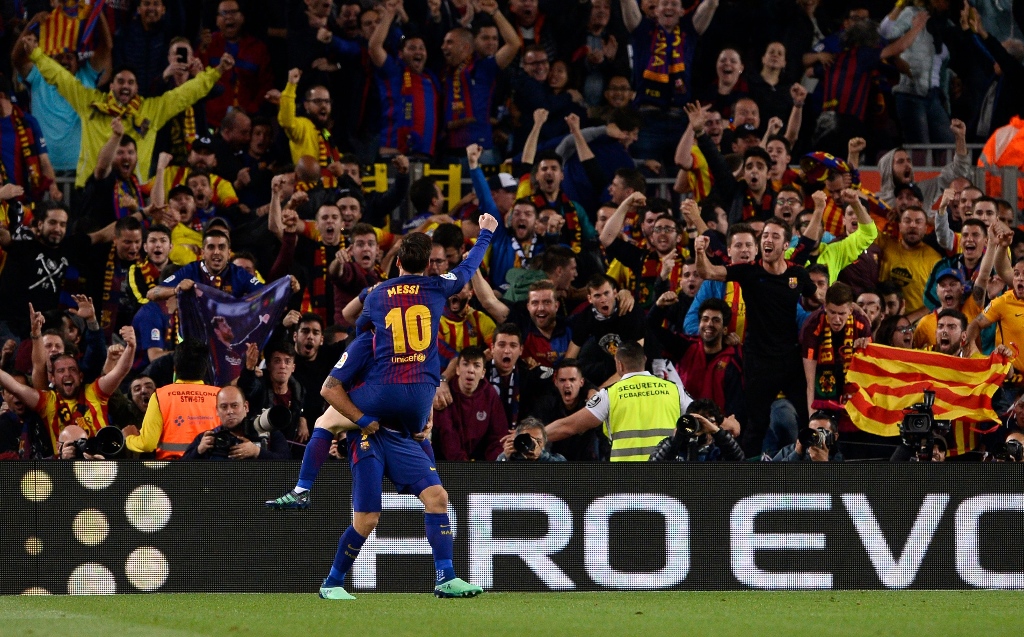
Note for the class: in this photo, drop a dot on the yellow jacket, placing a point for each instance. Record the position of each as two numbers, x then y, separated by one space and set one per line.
303 135
153 113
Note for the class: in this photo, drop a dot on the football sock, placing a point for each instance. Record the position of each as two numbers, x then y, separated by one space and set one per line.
317 448
439 534
348 549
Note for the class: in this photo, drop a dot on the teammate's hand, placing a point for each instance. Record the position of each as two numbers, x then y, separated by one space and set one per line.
488 222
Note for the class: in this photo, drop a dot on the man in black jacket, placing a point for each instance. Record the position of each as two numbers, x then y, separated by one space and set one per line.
277 386
235 439
711 443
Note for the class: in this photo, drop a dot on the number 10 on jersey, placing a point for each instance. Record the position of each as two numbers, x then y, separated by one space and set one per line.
412 331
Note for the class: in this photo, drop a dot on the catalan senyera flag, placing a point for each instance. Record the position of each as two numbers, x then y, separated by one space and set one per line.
883 381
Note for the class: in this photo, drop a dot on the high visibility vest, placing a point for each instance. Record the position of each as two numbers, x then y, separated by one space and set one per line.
1004 148
642 411
188 411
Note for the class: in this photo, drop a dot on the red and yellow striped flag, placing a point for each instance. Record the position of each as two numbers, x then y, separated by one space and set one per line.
59 31
883 381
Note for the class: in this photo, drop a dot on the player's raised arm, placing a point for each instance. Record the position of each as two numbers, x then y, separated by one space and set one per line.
462 273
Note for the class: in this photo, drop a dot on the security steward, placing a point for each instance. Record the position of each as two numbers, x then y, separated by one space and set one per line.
638 411
179 412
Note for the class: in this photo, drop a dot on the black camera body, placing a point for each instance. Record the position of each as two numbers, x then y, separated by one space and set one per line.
223 440
108 442
809 437
919 428
524 443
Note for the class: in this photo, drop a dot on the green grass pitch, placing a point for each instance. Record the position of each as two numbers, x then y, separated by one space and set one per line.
746 614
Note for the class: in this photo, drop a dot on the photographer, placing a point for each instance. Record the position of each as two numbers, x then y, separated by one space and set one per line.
817 443
529 442
906 453
699 438
74 443
235 438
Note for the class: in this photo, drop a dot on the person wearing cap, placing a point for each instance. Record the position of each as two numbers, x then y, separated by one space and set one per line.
503 187
202 158
953 294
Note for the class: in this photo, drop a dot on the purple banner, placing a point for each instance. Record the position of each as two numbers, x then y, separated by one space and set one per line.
229 324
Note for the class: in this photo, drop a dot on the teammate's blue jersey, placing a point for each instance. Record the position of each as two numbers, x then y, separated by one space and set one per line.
355 362
405 313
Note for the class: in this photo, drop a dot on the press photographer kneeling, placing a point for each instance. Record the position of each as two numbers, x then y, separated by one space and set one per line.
238 437
75 444
700 436
818 442
528 442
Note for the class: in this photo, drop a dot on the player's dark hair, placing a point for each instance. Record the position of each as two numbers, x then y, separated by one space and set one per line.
191 359
414 253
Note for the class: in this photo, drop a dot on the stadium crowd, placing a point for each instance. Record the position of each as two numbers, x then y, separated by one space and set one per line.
233 143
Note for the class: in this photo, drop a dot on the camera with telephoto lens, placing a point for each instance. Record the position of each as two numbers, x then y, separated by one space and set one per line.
687 436
524 444
270 419
1013 451
919 428
108 442
810 437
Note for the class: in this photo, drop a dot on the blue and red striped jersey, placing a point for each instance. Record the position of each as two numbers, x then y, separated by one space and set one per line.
467 108
406 312
847 82
354 365
409 107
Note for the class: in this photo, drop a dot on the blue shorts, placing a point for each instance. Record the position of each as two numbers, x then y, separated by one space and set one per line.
407 463
403 406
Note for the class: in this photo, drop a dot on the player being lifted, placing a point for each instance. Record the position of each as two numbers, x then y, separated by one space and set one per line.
400 388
